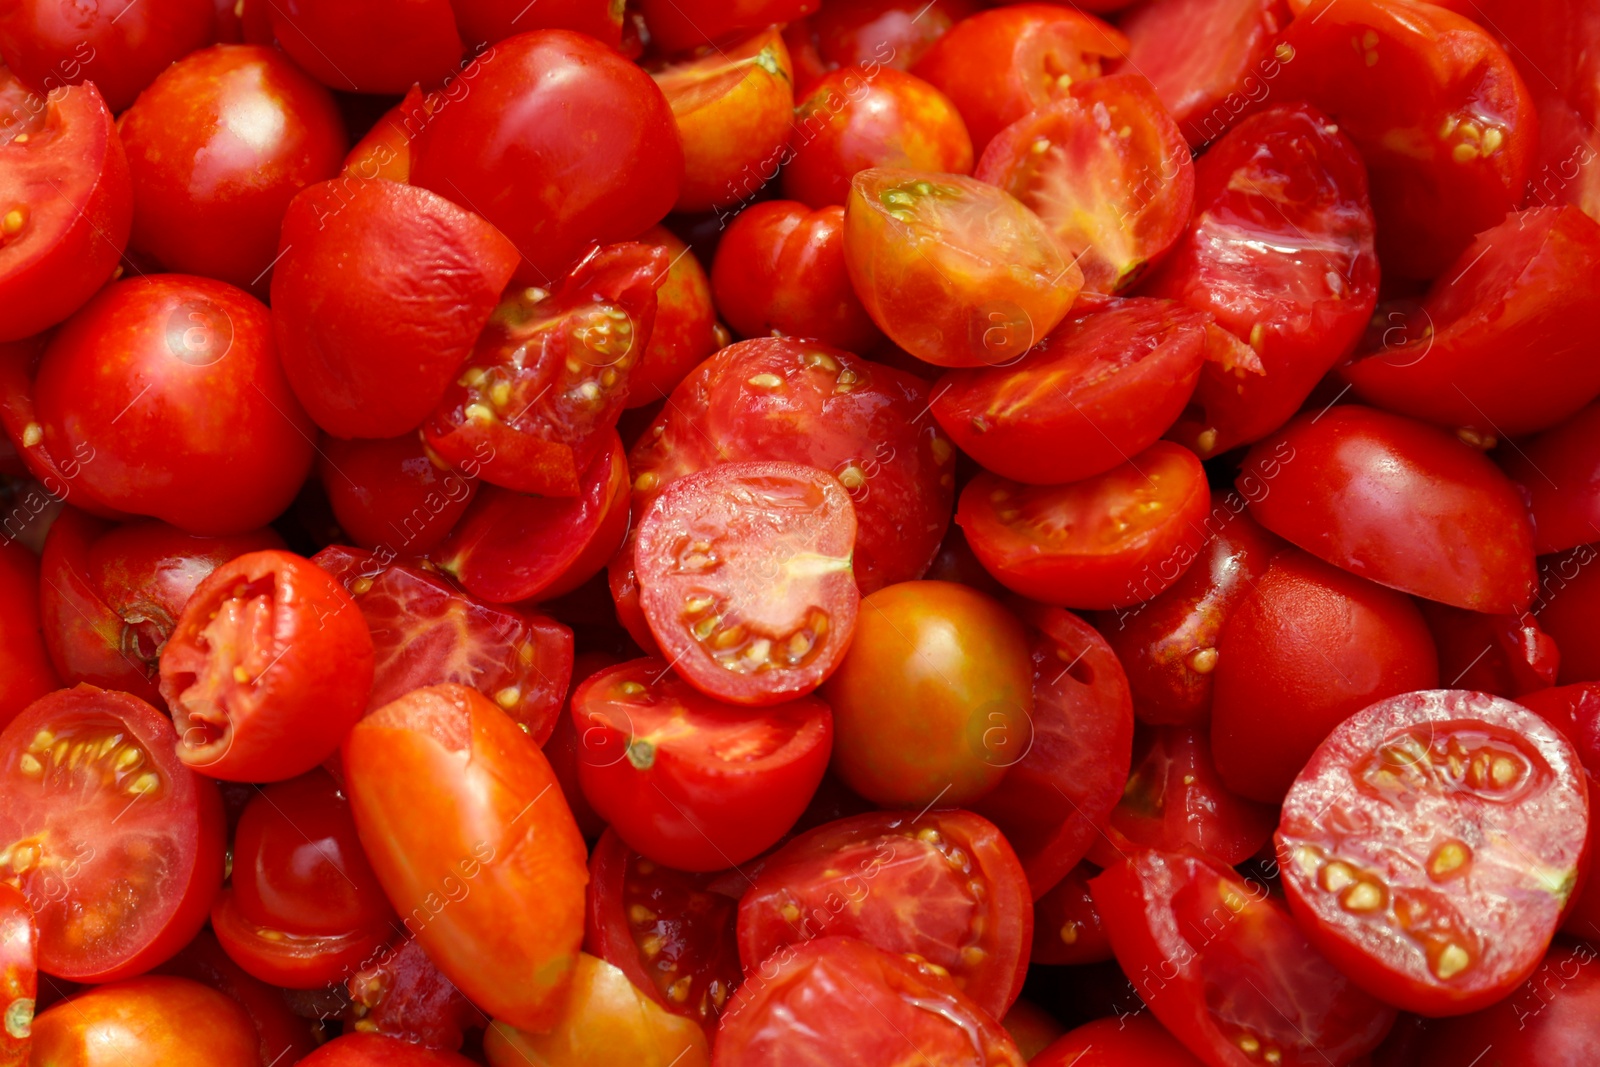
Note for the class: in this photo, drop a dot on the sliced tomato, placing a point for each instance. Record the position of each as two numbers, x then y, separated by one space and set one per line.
1066 927
399 992
1507 655
116 844
19 973
1431 845
1559 471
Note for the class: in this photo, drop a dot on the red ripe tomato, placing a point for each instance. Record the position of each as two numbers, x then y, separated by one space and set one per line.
1116 1042
536 402
427 632
1445 124
685 330
389 494
957 272
25 665
997 66
1559 472
1507 655
671 933
304 908
400 993
385 152
282 1034
1281 252
450 801
678 25
1575 711
119 47
380 294
1549 1020
19 972
268 667
780 269
375 1050
1066 927
1397 502
811 1000
217 147
1307 647
1431 845
492 21
894 33
1225 968
147 1022
1105 542
944 888
67 203
1497 345
560 143
745 579
1102 387
116 886
167 391
1569 596
369 46
111 595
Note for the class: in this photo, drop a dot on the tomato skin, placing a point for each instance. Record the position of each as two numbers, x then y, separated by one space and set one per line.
19 973
1114 1042
375 1050
400 993
26 671
492 21
1507 655
895 33
518 149
482 775
1066 927
1569 591
369 46
1032 1028
143 371
1549 1020
280 1032
1564 502
388 492
1397 502
685 330
780 268
72 175
678 25
146 1022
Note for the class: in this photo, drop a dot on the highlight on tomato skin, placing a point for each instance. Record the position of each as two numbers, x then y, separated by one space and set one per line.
153 1019
19 973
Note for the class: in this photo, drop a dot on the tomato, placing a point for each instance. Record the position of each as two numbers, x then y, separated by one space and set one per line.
25 437
26 672
115 886
268 667
111 595
733 108
146 1022
934 699
997 66
369 46
676 25
1443 120
389 494
536 402
400 993
607 1020
1559 472
1281 252
809 1001
780 269
385 152
281 1035
1224 967
560 143
955 271
1105 542
685 330
120 47
1508 655
895 33
68 203
671 933
1308 646
564 749
439 782
1496 345
1569 593
1575 711
944 888
427 632
167 391
1549 1020
19 973
1066 927
1102 387
375 1050
1114 1042
1431 844
1168 644
1032 1028
1397 502
492 21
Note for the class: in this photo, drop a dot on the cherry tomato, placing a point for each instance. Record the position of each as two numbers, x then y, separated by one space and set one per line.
400 993
116 886
894 33
676 25
385 152
1066 926
156 1021
369 46
1569 594
1032 1028
375 1050
19 974
1507 655
1114 1042
282 1035
1431 845
24 435
685 330
26 673
1559 471
491 21
1547 1020
389 494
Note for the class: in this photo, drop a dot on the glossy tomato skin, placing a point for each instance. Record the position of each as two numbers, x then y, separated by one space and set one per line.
1569 590
398 992
1547 1020
895 33
1397 850
280 1032
518 149
1564 501
1397 502
1307 647
369 46
172 383
388 493
26 672
460 878
685 330
677 25
492 21
19 971
945 887
208 200
1066 927
780 269
1113 1042
375 1050
1507 655
70 178
156 1021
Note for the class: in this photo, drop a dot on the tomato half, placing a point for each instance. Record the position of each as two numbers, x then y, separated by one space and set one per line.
399 992
155 1021
25 666
1548 1020
1559 471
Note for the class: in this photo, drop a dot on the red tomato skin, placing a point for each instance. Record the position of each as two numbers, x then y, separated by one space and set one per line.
780 269
398 992
1397 502
19 972
1575 711
1564 500
380 295
26 672
492 21
282 1033
136 387
154 1021
1115 1042
25 523
369 46
1066 927
49 271
685 330
389 494
1549 1020
375 1050
1569 595
207 200
896 33
678 25
1507 655
521 149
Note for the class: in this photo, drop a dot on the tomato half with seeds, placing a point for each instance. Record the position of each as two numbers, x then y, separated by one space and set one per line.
957 272
687 780
145 1022
268 667
1105 542
1066 927
944 887
1431 844
26 672
745 579
116 844
1559 471
19 973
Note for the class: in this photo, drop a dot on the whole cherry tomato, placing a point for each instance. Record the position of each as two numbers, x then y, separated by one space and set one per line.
491 21
156 1021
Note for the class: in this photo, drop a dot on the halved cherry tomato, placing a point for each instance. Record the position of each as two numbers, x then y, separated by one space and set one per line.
283 1036
1559 471
1115 1042
1507 655
369 46
25 665
375 1050
1431 845
19 974
155 1021
1066 926
119 850
492 21
1548 1020
400 993
685 330
1569 596
389 494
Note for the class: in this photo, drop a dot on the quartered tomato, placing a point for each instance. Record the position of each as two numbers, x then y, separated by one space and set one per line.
369 46
25 665
154 1021
1431 845
115 843
1066 926
1559 471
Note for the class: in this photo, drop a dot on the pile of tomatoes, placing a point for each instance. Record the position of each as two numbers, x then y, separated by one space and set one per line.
762 533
